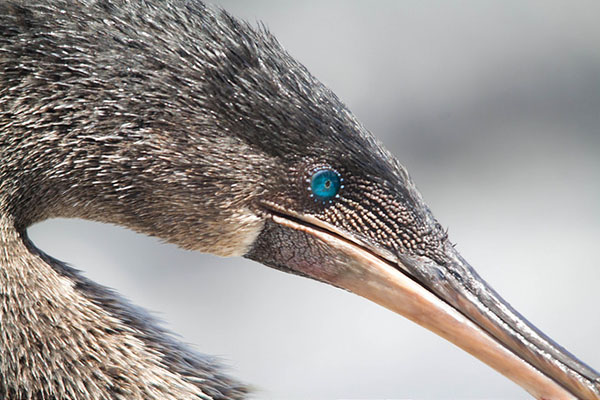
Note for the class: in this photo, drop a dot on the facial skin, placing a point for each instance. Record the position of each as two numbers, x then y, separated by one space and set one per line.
472 225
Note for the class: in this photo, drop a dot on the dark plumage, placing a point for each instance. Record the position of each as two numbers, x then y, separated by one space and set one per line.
176 120
156 93
165 118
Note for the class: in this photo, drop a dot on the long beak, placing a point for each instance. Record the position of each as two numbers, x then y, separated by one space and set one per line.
450 300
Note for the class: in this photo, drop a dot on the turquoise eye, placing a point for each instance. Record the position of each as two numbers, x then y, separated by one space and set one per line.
325 184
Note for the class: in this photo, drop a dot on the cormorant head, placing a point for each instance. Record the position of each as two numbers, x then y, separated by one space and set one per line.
181 122
192 126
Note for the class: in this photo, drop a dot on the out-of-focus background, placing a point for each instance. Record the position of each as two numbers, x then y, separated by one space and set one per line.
494 107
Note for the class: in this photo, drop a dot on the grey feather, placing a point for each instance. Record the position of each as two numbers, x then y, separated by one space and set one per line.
178 121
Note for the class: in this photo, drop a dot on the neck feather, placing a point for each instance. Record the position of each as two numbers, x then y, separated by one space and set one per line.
63 336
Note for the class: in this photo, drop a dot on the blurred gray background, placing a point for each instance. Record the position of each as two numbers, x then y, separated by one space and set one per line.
494 107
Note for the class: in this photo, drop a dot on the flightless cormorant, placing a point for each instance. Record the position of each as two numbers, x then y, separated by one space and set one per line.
178 121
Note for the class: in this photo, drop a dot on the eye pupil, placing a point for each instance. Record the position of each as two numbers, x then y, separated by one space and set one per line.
325 183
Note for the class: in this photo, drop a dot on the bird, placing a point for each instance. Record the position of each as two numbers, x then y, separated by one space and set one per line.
178 121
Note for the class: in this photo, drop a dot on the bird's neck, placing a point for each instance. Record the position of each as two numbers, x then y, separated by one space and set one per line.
62 336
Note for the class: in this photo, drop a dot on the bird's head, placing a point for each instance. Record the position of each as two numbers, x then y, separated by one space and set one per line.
181 122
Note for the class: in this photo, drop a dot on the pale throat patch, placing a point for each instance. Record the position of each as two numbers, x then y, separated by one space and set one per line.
235 234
